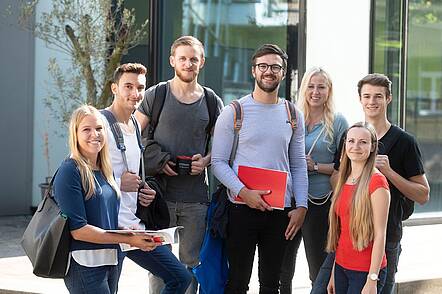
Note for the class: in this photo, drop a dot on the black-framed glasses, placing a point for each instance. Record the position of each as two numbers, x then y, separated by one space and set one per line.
275 68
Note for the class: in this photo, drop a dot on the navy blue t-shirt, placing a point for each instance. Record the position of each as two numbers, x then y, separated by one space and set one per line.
101 210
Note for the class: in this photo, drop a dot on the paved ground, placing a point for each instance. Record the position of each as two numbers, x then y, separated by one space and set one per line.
420 261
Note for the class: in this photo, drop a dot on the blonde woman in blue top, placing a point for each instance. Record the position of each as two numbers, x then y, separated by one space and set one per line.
87 193
323 131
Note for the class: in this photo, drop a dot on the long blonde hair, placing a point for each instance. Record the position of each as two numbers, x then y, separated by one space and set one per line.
84 166
361 213
329 108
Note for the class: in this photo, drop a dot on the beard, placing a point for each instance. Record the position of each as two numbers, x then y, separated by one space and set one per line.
185 77
268 88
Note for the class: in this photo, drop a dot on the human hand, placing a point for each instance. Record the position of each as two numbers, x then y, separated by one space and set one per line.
331 285
146 195
296 216
370 287
143 241
199 163
168 169
130 182
310 162
253 198
382 163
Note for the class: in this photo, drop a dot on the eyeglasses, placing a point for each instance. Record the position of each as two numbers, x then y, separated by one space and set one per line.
275 68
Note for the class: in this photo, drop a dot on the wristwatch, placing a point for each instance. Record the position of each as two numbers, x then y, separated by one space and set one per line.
373 277
315 167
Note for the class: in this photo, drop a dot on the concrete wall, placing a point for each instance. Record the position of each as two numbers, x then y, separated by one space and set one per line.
16 115
43 122
338 40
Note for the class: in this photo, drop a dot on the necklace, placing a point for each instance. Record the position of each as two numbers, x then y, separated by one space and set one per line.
354 180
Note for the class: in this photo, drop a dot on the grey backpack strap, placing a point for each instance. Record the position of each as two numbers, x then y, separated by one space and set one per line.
118 135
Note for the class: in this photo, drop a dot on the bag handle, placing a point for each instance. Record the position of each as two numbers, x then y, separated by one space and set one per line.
314 142
237 124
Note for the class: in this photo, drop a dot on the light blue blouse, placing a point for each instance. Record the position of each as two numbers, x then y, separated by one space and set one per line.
324 153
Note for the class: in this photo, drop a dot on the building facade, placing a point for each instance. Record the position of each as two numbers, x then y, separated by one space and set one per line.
401 38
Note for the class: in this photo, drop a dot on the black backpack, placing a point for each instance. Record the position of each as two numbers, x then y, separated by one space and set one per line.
407 205
158 103
156 215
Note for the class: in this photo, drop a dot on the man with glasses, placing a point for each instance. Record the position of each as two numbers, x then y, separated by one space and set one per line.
267 139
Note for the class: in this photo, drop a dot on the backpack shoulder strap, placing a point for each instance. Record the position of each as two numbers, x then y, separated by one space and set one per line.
140 144
237 124
157 107
291 114
116 131
212 104
138 132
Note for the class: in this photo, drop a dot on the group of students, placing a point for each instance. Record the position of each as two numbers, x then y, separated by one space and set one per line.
358 221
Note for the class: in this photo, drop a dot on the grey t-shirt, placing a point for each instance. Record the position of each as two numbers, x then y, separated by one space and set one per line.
181 130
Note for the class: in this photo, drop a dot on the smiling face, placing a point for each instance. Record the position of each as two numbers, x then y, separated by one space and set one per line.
358 144
187 62
90 137
268 81
374 101
129 90
317 91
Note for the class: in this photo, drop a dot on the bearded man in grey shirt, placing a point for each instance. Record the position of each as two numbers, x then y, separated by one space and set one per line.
266 140
181 131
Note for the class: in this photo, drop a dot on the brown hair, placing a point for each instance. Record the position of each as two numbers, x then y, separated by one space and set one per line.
361 212
270 49
186 41
136 68
376 79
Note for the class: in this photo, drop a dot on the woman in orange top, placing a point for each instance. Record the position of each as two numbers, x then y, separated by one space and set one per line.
358 217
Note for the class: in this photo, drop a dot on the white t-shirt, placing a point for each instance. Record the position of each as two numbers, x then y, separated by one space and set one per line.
128 204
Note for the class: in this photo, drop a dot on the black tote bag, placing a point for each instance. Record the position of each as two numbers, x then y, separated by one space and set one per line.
47 238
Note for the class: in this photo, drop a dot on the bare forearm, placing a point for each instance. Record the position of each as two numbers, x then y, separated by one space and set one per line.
325 168
416 188
377 253
96 235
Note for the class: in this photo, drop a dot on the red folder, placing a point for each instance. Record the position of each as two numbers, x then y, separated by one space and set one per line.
256 178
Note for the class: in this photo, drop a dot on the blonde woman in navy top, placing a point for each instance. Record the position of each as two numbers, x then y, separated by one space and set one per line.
87 193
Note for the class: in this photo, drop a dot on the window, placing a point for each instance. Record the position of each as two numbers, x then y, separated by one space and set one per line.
230 31
417 105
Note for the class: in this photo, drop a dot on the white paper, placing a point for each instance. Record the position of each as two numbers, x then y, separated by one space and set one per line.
169 236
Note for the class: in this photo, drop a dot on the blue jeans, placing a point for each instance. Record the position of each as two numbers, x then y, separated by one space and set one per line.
162 263
352 282
84 280
323 277
192 216
393 251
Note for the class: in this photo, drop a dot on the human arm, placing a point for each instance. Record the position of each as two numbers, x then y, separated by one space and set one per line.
380 202
415 188
331 282
71 200
323 168
298 171
221 148
93 234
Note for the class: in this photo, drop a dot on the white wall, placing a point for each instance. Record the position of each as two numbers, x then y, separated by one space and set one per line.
337 34
43 121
